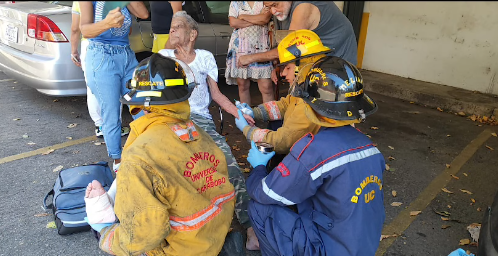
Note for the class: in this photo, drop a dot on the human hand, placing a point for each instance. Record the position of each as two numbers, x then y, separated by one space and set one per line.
274 76
265 10
75 58
245 108
243 61
459 252
115 18
249 120
240 122
98 226
256 157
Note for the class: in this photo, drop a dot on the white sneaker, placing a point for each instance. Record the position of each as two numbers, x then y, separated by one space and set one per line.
100 134
115 166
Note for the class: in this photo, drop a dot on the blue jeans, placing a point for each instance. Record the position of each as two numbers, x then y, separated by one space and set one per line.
108 68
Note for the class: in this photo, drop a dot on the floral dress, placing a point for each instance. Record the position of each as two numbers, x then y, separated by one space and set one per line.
248 40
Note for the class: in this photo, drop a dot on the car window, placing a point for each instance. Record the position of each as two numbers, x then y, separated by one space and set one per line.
217 11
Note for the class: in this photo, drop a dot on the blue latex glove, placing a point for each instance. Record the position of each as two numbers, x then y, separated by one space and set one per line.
245 108
257 157
241 121
459 252
99 226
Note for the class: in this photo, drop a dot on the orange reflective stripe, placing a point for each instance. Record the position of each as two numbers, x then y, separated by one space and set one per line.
199 219
183 133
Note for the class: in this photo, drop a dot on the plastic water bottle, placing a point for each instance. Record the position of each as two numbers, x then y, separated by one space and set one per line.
244 110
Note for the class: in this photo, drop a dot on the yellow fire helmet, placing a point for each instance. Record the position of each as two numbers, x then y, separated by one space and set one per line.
300 44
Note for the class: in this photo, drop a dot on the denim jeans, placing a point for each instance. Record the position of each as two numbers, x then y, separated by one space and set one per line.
108 68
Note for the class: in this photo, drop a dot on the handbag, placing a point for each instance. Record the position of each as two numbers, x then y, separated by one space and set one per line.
68 193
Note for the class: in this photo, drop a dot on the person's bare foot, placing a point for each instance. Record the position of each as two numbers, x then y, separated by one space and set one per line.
94 189
252 243
98 205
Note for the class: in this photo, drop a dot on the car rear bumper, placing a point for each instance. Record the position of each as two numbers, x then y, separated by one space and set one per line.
52 76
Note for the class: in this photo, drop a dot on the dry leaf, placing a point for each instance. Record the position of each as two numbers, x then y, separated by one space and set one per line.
466 191
390 147
382 237
16 119
56 100
42 214
391 158
448 165
394 193
448 135
25 136
411 102
479 209
245 156
72 125
51 225
466 175
473 200
368 136
473 118
99 143
69 138
374 128
396 204
490 148
494 134
446 190
445 218
464 242
445 226
48 152
387 167
415 213
440 110
247 170
461 113
454 177
231 126
58 168
241 164
449 206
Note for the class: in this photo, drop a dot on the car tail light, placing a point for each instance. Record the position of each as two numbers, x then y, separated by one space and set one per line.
43 28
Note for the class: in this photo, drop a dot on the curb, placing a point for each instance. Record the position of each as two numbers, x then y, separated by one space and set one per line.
432 95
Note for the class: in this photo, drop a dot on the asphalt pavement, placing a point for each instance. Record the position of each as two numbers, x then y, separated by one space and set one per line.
426 150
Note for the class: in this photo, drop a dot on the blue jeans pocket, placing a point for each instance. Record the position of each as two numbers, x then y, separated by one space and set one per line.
97 59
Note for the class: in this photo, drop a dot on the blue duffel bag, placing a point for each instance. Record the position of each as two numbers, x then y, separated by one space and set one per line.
68 203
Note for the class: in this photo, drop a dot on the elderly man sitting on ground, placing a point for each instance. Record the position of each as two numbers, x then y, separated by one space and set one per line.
182 37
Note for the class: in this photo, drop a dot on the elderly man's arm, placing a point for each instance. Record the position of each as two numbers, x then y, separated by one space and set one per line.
238 23
224 102
144 218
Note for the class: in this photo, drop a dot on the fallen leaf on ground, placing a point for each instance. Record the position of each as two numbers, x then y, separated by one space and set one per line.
466 175
368 136
31 143
479 209
473 118
72 125
48 152
440 110
241 164
448 135
466 191
382 237
490 148
494 134
445 226
473 200
99 143
391 158
394 193
231 126
42 214
443 213
461 113
448 165
247 170
52 225
415 213
411 102
374 128
58 168
69 138
445 218
464 242
387 167
454 177
446 190
25 136
449 206
16 119
390 147
396 203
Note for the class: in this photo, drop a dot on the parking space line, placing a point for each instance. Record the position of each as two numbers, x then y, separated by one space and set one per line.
403 219
45 149
7 80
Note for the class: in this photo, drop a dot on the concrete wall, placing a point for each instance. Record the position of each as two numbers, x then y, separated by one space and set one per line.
450 43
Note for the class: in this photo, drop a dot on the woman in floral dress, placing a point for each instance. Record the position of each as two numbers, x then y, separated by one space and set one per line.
250 35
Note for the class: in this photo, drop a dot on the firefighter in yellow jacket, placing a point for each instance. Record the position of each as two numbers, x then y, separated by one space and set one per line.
297 53
173 195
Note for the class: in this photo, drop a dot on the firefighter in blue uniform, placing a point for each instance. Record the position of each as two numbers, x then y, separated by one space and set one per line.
334 177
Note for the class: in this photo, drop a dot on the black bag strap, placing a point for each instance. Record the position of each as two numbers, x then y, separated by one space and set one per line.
50 206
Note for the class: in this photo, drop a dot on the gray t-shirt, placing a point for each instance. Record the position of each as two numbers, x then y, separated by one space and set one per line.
334 29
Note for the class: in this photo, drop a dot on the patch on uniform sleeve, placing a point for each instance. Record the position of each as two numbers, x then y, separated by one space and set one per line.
259 134
283 169
185 134
273 111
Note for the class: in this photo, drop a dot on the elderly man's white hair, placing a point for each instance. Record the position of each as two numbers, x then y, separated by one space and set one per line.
190 21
